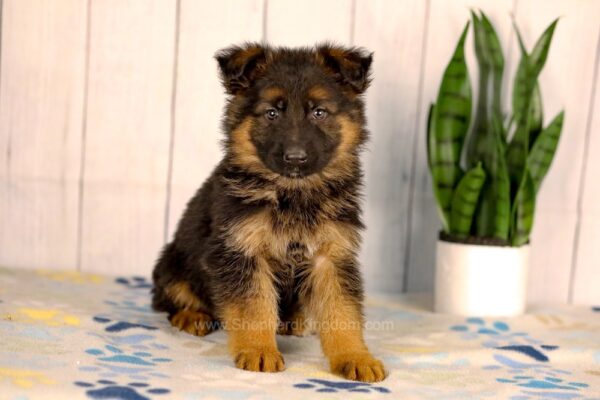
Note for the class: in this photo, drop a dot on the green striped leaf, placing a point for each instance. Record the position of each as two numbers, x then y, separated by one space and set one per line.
536 115
538 56
493 214
494 55
448 127
542 152
525 82
429 132
486 142
491 65
464 201
439 196
477 142
523 211
520 80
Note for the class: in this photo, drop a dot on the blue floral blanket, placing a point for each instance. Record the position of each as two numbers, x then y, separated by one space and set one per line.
66 335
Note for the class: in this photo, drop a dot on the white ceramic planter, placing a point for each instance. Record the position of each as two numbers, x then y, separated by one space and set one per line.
477 280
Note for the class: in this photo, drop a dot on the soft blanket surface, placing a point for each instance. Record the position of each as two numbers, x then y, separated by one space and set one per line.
67 335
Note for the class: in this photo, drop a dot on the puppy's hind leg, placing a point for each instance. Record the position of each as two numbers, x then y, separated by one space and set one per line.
172 293
193 322
192 315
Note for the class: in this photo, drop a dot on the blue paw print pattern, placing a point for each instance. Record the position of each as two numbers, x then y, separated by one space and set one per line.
535 377
134 282
130 307
128 347
136 341
499 336
119 326
112 361
133 290
133 310
105 389
116 355
325 386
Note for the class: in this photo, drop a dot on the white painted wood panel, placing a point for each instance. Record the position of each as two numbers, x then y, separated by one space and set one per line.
585 287
41 97
445 24
566 84
199 96
303 23
394 31
127 134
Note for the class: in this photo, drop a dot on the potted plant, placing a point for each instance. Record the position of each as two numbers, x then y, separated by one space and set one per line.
487 169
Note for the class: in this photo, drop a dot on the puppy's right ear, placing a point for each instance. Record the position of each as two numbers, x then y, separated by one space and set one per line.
241 65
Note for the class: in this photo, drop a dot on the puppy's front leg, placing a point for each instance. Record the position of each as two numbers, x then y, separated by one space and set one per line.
251 323
335 302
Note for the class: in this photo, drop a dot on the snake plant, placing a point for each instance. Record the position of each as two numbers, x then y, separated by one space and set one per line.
487 166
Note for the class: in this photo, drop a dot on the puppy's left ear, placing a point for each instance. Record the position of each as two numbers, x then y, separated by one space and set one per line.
241 65
350 66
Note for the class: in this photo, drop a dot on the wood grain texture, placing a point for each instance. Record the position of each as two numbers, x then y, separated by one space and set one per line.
127 137
41 97
392 108
572 55
585 287
199 96
303 23
445 24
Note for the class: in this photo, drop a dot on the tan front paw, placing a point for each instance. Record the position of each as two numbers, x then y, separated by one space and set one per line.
358 367
259 360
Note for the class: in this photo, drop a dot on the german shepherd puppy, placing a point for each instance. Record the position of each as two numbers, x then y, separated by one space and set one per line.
269 243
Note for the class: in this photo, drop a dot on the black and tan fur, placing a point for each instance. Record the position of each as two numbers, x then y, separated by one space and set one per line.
269 243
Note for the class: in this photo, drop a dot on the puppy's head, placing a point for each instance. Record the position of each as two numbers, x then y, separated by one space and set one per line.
294 113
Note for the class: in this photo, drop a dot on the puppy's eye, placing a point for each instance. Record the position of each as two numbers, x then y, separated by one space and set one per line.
319 114
271 114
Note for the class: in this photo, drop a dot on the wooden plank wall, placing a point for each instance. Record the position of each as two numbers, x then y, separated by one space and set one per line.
127 133
42 85
110 114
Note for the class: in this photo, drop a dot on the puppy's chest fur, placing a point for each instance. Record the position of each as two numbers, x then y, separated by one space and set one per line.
290 233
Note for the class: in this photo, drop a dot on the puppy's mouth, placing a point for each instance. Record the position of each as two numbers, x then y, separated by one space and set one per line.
294 172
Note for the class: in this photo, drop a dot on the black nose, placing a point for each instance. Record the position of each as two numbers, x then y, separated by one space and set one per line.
295 156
